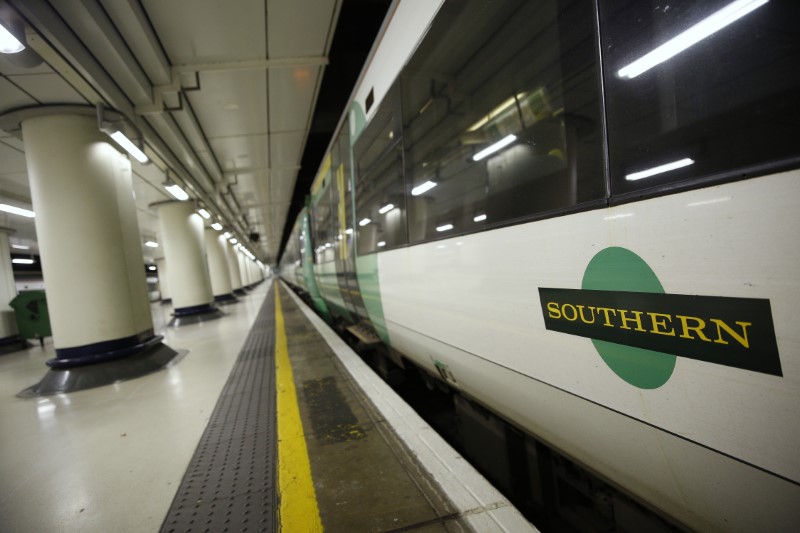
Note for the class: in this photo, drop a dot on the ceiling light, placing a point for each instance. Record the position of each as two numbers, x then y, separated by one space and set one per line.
8 43
205 214
708 26
234 241
499 145
349 231
659 169
364 222
151 244
381 244
17 211
446 227
217 226
151 267
22 261
175 190
131 148
20 247
425 187
386 209
227 234
479 218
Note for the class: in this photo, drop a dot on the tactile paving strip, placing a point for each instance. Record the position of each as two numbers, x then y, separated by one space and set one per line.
229 484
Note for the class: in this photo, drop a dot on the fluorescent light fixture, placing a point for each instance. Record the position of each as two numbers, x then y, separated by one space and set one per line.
685 162
176 191
205 214
364 222
479 218
446 227
151 267
17 211
20 247
328 245
8 43
499 145
381 244
227 234
385 209
22 261
708 26
420 189
217 226
349 231
234 241
129 146
151 244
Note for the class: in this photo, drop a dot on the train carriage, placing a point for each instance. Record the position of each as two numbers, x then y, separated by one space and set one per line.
582 216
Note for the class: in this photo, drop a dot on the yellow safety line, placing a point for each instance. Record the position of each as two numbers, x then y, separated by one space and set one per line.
298 511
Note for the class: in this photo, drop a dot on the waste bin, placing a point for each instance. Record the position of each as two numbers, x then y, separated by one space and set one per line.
33 320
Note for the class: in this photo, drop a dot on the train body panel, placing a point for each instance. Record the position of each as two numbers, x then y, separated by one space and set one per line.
478 297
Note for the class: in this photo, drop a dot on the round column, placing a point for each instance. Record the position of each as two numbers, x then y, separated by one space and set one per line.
233 269
90 246
163 282
187 270
243 269
218 267
9 335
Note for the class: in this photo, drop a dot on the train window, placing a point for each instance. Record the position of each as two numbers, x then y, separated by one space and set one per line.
380 199
501 115
699 89
323 227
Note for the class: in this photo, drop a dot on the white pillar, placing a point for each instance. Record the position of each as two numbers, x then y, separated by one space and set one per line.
8 289
163 282
218 266
89 240
187 268
233 268
243 268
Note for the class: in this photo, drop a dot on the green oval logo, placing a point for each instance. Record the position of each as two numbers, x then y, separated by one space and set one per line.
619 269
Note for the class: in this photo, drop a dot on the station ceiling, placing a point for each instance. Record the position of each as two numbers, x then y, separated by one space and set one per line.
238 99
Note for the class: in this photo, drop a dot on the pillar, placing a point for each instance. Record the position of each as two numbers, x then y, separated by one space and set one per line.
90 247
187 270
8 290
233 268
218 267
163 282
243 269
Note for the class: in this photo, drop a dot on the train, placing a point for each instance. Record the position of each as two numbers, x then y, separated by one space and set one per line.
581 216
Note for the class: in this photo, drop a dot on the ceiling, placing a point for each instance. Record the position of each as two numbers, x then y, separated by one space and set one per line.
223 93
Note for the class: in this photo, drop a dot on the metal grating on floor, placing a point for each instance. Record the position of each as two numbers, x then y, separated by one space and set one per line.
229 484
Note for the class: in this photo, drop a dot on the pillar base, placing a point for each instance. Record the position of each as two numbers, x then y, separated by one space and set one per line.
153 357
14 343
165 301
240 292
226 299
183 316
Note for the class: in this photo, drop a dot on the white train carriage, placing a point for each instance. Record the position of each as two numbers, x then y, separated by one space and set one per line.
583 216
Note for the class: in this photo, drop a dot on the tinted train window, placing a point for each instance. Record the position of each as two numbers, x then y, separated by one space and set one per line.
699 89
501 115
323 226
380 200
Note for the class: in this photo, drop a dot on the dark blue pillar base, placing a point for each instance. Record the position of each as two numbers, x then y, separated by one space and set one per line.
226 299
183 316
240 292
165 301
153 356
14 343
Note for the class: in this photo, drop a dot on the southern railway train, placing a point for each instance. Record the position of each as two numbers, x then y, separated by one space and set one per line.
583 217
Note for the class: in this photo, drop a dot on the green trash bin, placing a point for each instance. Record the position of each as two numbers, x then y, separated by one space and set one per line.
33 320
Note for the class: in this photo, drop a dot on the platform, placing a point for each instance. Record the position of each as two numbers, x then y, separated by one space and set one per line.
208 445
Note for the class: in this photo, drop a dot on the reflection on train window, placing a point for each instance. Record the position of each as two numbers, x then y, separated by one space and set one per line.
323 225
501 116
380 201
699 89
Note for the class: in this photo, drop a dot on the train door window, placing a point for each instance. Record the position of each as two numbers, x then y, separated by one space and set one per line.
699 90
323 227
501 115
380 197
